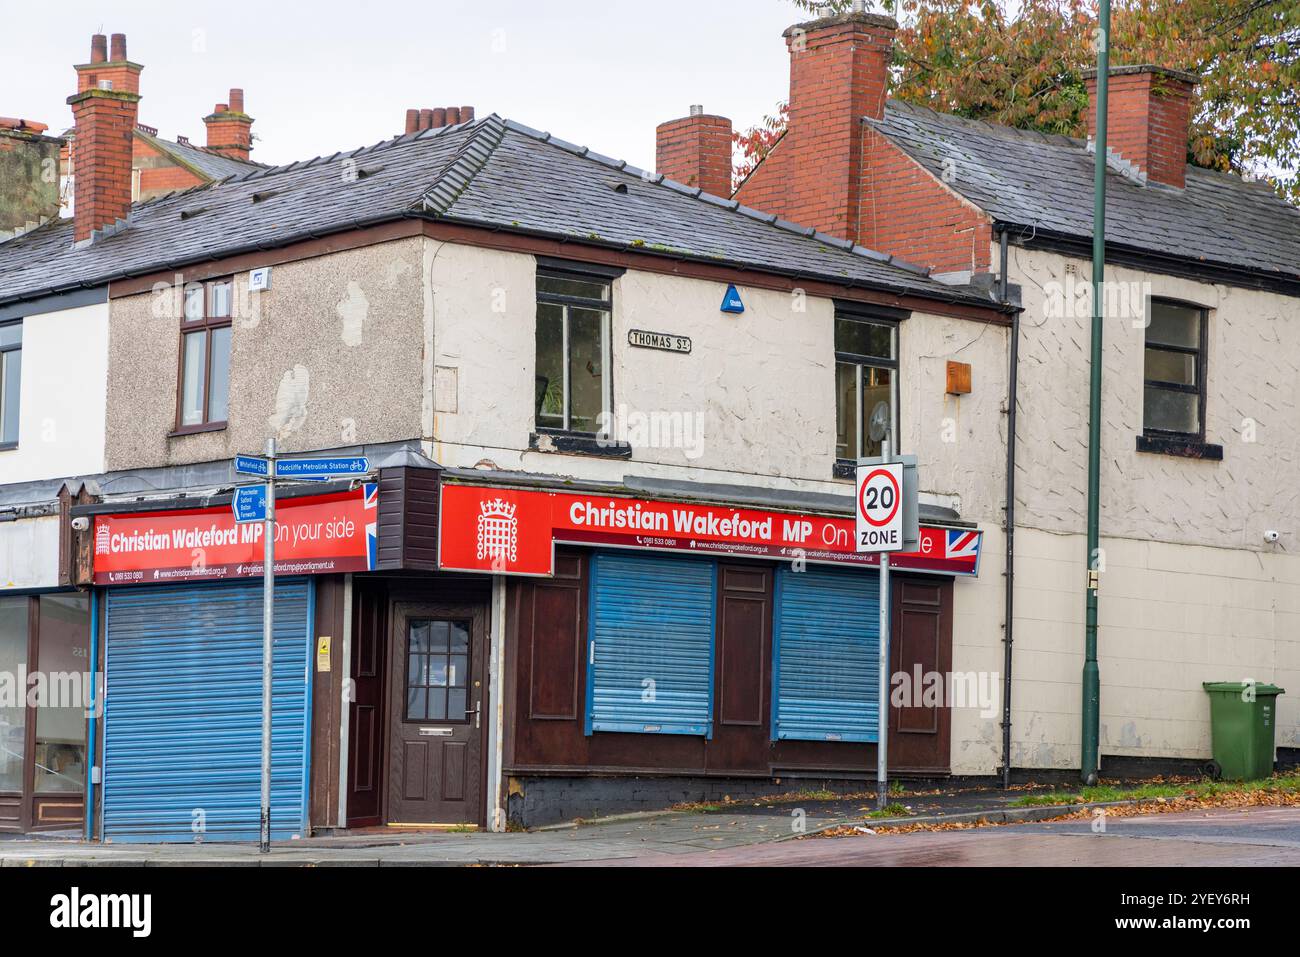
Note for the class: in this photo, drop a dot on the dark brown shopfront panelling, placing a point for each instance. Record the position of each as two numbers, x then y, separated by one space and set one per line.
547 677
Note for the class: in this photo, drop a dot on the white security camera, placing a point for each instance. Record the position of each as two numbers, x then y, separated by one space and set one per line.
1272 536
80 523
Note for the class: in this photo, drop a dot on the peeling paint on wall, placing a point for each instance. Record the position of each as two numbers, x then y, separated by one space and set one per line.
291 402
353 311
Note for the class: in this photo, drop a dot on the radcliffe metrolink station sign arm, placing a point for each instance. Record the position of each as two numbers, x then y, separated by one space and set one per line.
256 503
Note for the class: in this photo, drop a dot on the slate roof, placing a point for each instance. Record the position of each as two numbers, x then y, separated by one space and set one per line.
489 172
1045 182
210 164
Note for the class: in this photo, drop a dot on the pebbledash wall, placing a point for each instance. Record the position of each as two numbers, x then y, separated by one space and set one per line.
329 356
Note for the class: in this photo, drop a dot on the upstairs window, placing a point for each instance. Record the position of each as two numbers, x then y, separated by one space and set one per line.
204 389
573 347
1174 386
11 369
866 385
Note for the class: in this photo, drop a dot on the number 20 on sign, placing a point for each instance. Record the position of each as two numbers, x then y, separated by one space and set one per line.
880 508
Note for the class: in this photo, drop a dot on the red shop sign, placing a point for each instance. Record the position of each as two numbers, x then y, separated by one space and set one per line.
514 531
315 535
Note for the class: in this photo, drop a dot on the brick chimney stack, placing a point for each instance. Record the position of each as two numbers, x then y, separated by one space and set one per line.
1150 114
105 109
696 150
839 73
230 129
426 119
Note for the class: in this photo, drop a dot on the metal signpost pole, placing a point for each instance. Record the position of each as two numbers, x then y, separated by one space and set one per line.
882 705
268 622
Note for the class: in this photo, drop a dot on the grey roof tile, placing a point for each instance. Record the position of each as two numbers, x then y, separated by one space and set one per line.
1040 180
488 172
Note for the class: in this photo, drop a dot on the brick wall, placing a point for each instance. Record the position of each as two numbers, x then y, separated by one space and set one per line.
909 213
1149 113
696 150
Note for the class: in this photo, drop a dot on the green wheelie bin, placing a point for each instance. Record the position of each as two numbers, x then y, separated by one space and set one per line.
1243 718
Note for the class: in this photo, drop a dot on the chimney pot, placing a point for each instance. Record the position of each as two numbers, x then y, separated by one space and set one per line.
412 121
453 115
697 109
236 100
426 119
118 47
220 108
98 48
437 118
466 114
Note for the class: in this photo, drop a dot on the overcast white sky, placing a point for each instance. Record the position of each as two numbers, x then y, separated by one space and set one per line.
328 76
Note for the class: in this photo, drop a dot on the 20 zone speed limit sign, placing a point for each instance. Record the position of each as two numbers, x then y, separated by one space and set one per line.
880 508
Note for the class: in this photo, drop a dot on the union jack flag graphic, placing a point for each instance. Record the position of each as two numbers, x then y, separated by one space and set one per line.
372 534
962 544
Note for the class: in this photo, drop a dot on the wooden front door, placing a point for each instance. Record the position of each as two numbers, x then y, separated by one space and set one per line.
437 701
366 740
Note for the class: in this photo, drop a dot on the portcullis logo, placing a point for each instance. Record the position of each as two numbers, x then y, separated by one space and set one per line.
498 532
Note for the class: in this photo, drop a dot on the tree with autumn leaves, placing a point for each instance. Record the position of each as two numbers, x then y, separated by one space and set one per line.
976 58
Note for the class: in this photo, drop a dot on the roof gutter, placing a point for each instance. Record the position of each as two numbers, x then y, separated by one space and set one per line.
419 215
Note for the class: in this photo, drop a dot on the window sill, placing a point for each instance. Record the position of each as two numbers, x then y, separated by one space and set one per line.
568 443
1188 447
8 446
197 429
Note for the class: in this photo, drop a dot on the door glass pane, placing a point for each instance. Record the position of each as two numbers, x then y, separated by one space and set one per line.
437 704
846 410
63 655
194 364
456 704
417 672
438 671
1174 325
13 708
438 636
458 674
460 637
586 377
419 637
11 366
417 704
1172 411
219 398
550 366
877 409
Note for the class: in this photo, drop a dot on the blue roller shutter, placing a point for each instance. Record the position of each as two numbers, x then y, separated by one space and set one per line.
183 711
827 664
650 656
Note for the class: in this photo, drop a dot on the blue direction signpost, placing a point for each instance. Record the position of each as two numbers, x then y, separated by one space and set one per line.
321 469
251 465
249 504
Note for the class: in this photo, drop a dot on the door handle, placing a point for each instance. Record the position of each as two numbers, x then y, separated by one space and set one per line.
478 710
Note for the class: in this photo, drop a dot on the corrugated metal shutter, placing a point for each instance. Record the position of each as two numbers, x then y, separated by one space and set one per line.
827 665
183 712
651 621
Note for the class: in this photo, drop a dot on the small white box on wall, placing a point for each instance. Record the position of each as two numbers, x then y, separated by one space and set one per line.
259 280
